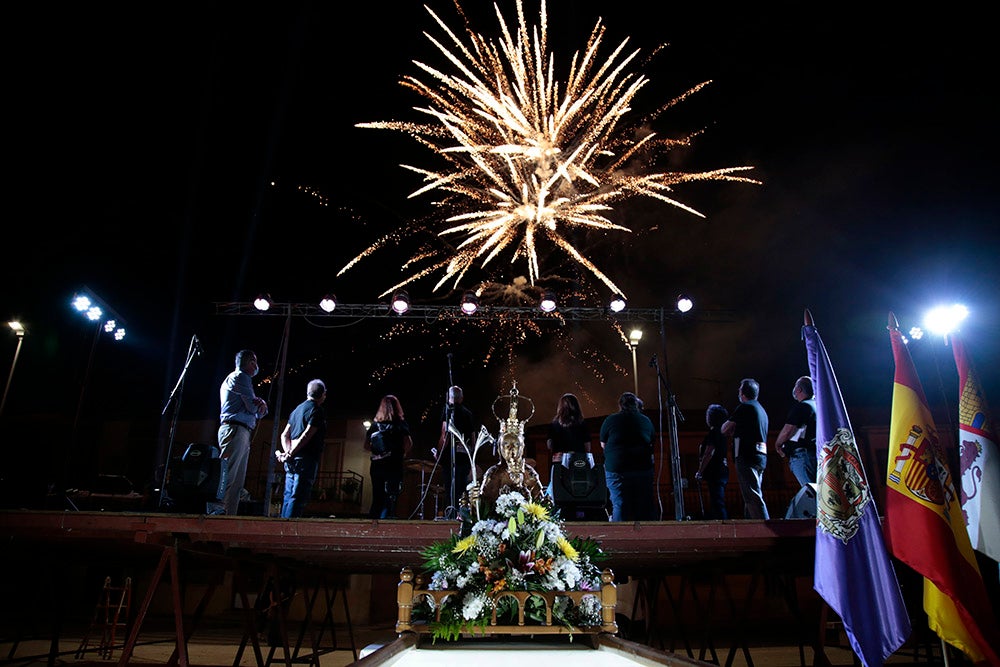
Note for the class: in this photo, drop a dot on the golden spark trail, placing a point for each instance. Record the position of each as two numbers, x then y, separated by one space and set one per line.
529 159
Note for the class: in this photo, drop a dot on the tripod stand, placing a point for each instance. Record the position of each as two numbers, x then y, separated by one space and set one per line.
674 415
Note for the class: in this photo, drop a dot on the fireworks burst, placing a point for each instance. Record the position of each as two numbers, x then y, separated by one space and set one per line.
528 158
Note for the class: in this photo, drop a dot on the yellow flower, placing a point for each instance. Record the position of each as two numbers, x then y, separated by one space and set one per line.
537 511
464 544
567 549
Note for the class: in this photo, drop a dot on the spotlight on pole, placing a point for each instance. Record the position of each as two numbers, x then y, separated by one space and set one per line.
262 302
18 330
548 302
942 320
470 303
634 337
617 304
684 303
92 308
328 303
400 302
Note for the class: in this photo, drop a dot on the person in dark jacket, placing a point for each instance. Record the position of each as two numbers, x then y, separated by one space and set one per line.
713 467
389 443
627 441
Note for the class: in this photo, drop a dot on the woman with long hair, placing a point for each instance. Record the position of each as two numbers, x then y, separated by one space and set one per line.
388 442
568 434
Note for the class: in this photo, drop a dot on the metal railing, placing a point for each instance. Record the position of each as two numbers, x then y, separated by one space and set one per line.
334 493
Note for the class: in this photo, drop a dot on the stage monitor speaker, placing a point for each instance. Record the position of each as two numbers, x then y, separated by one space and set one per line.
578 490
803 505
196 477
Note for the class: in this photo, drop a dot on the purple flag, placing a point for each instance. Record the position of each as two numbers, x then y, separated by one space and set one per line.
853 572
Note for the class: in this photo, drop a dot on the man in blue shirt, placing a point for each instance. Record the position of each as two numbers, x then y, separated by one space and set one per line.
748 427
241 409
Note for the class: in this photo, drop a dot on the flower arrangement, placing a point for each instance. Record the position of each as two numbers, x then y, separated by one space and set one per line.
520 546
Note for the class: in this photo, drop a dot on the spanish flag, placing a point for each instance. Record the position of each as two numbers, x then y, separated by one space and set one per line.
924 524
979 458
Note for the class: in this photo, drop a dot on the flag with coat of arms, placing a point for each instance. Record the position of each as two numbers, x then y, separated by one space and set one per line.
925 527
853 571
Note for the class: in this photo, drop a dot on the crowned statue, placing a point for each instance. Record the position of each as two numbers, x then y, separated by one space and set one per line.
511 473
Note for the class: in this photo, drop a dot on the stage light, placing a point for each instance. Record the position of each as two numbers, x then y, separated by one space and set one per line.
942 320
684 303
400 302
91 307
916 333
328 303
470 303
262 302
81 302
548 302
617 304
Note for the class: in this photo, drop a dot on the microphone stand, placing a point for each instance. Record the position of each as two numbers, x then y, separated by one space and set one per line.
674 415
452 510
175 399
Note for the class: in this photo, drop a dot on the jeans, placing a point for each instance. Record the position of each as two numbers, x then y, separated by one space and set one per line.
631 495
300 475
234 443
803 465
750 472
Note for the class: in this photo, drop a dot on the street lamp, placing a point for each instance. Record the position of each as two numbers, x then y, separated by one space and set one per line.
633 342
18 330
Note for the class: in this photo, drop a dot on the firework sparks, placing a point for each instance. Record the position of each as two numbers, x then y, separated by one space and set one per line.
529 159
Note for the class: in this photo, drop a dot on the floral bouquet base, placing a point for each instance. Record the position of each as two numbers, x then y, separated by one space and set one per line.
514 572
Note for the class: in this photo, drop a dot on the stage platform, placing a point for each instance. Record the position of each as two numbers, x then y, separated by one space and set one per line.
712 590
349 546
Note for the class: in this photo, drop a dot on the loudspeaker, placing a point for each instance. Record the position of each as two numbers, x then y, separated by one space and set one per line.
578 490
803 505
196 477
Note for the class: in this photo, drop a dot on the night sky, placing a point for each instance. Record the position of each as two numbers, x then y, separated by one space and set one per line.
171 157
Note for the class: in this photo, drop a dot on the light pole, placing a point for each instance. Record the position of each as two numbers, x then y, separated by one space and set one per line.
634 337
18 329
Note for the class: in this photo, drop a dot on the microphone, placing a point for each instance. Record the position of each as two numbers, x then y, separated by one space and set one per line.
197 345
652 362
449 355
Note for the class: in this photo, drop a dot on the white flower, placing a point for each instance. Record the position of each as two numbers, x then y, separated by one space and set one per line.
484 526
508 503
472 606
590 610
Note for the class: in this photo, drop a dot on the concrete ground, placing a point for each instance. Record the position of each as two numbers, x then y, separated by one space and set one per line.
220 644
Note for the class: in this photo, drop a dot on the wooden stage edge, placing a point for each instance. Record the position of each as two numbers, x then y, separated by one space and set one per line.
351 546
